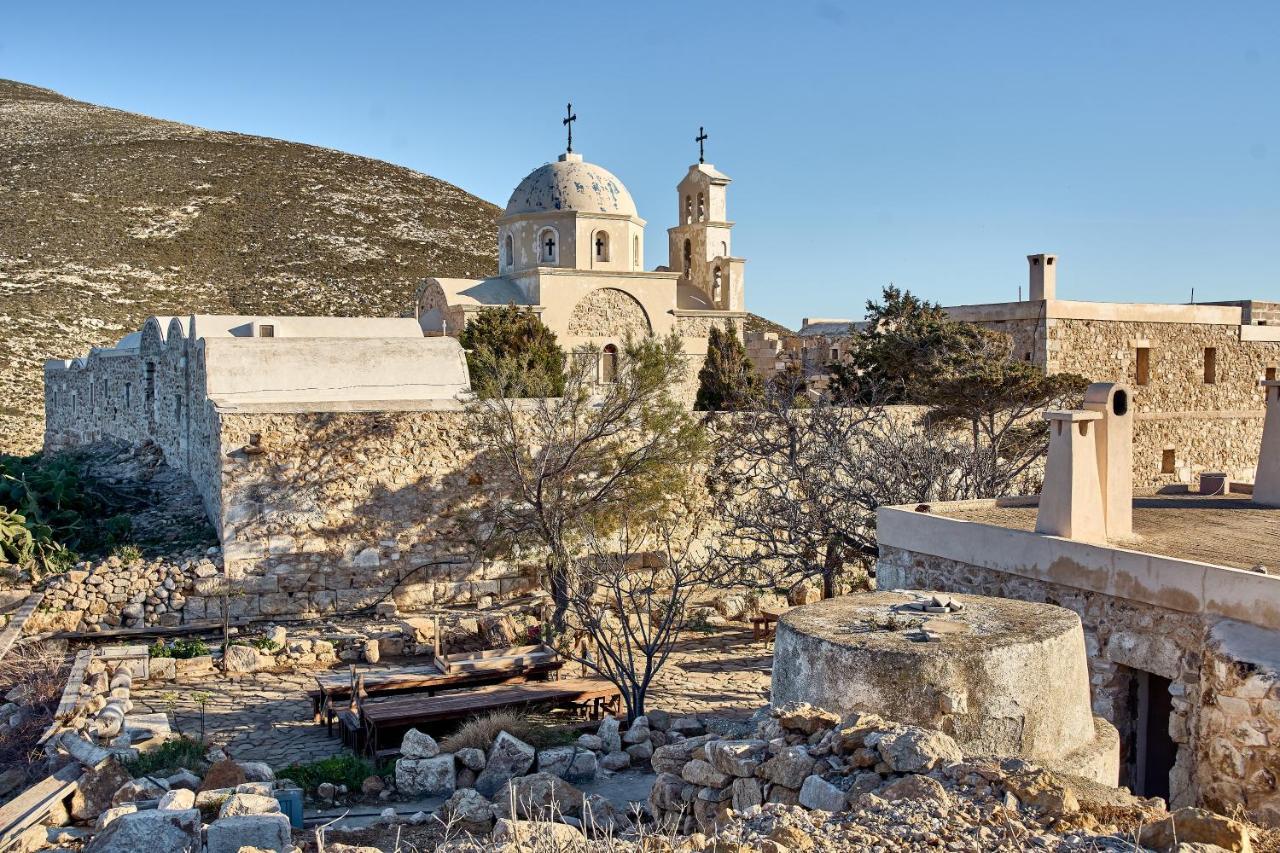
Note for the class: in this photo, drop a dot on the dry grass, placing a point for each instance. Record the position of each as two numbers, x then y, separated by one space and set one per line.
480 732
41 669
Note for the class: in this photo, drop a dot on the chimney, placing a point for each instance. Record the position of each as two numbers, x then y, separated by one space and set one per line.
1266 485
1071 500
1114 444
1044 276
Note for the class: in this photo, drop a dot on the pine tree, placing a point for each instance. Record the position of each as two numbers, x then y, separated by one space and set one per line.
728 381
512 353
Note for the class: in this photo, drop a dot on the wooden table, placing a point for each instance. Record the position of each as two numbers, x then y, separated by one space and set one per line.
383 718
334 688
763 625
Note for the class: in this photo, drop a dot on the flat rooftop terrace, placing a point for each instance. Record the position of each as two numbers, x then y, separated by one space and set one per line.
1227 531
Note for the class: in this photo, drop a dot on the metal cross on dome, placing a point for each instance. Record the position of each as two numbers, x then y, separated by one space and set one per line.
700 138
568 122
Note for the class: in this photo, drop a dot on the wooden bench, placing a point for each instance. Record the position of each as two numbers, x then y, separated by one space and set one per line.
334 690
385 718
763 626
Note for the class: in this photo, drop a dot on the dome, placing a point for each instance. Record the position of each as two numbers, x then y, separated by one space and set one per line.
571 184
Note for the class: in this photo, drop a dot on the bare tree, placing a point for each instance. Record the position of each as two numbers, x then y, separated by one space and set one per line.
633 594
570 466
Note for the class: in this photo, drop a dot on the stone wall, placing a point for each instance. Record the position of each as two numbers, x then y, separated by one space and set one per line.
609 313
1221 755
328 512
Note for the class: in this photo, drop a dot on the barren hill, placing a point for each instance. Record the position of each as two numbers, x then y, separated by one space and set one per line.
107 217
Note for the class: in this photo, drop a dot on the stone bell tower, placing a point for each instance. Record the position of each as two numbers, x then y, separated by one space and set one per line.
700 245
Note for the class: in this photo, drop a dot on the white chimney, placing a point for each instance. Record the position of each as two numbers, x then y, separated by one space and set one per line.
1114 444
1266 485
1044 276
1071 499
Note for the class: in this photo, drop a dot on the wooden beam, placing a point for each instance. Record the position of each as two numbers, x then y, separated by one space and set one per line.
29 807
13 630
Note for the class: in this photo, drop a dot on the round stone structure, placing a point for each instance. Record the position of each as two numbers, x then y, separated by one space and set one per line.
1002 677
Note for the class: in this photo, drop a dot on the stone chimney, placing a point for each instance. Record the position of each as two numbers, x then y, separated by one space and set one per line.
1266 485
1044 276
1114 444
1088 476
1071 500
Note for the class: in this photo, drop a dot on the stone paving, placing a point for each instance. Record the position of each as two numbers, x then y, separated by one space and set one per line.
267 716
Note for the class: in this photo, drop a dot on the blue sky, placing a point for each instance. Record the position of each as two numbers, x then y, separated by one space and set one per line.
929 144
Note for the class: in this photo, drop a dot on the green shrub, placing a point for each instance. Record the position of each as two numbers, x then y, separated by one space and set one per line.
181 649
345 769
170 757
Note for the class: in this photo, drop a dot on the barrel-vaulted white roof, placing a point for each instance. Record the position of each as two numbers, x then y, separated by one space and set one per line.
571 184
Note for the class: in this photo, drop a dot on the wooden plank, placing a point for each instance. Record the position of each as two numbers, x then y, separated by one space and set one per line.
29 807
13 630
402 710
333 686
70 694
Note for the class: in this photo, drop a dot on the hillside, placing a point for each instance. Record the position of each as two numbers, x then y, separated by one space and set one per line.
107 217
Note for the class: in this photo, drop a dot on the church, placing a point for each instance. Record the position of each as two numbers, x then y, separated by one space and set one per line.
571 249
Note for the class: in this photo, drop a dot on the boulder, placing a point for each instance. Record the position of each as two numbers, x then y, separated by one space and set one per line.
609 734
470 758
537 835
241 659
151 831
244 804
97 789
699 772
736 757
538 796
262 789
915 750
659 721
804 718
915 787
638 732
180 799
263 831
746 793
111 814
640 752
183 778
257 771
666 792
137 790
568 762
591 742
498 631
470 810
372 785
687 726
615 761
789 767
508 757
818 793
792 838
1044 791
673 756
416 744
601 817
1196 826
426 777
223 774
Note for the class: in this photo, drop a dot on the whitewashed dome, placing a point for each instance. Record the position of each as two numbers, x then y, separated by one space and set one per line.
571 184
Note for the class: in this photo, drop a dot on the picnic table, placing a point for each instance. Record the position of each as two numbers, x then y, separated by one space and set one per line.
334 689
389 717
764 624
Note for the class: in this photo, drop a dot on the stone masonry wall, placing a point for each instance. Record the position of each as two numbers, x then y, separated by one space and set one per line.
328 512
1221 759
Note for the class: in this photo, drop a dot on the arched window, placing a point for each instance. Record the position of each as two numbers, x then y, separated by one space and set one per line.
724 249
702 209
509 251
548 246
688 256
602 245
716 286
609 364
688 209
635 252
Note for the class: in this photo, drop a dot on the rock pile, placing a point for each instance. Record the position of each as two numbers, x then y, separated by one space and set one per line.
114 592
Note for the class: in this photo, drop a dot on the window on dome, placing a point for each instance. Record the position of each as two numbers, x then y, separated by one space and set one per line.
602 245
548 247
509 251
635 252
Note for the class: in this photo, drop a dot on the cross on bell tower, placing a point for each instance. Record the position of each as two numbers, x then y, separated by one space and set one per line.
700 138
568 122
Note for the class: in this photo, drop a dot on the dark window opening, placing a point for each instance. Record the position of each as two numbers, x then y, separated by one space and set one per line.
128 394
1143 367
1210 365
609 364
688 256
150 388
1271 374
1167 461
266 331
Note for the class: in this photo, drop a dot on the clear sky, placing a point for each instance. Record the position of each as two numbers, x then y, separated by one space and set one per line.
932 144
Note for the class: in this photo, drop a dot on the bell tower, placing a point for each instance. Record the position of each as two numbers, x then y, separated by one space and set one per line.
700 244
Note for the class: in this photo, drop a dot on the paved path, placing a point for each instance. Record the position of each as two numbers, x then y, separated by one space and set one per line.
267 716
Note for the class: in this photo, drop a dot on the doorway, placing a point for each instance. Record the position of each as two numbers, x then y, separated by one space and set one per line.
1148 752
